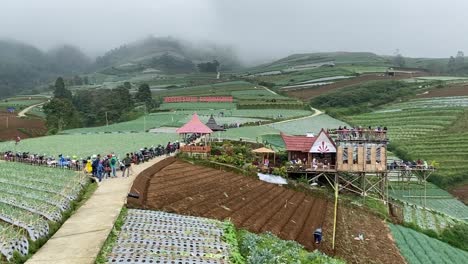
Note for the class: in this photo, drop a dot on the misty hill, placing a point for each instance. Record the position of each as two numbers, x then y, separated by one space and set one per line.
167 55
312 60
68 59
23 67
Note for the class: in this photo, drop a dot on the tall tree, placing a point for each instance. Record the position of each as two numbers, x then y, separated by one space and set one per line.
144 95
60 114
460 59
398 59
452 64
60 91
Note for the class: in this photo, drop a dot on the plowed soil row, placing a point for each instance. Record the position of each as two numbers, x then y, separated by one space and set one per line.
311 92
450 90
258 206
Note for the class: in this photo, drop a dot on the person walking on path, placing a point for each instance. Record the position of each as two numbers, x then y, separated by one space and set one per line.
318 235
113 165
127 161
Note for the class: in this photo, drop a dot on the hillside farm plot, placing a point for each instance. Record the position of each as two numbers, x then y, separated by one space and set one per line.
166 119
306 93
86 145
224 88
30 199
430 133
309 124
408 123
249 133
441 78
255 113
427 219
418 248
450 90
11 126
180 187
21 102
159 237
437 199
196 106
434 102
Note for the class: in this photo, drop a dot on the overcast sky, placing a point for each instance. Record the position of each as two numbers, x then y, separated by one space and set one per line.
258 29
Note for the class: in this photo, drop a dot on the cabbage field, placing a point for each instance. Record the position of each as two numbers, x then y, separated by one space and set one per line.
31 198
438 200
427 219
309 124
418 248
84 145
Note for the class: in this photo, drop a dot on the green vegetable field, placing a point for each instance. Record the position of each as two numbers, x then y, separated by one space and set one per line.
30 199
418 248
84 145
439 200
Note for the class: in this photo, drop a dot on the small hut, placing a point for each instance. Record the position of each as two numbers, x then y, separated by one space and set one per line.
213 125
195 126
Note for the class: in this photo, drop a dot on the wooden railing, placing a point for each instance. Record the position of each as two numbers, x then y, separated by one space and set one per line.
196 149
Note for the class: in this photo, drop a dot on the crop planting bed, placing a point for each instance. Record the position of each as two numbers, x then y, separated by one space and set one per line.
224 88
433 102
257 206
159 237
438 200
429 129
427 219
309 124
314 91
196 106
249 203
451 90
418 248
30 198
36 127
89 144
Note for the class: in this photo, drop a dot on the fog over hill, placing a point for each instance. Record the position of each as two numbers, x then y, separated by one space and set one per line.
259 30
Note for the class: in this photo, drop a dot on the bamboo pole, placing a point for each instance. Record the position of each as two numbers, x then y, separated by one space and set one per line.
336 207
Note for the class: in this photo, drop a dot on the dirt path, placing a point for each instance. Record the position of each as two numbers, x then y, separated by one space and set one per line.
266 88
81 237
316 113
27 109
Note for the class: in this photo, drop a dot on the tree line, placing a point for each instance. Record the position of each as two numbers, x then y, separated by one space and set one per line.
94 107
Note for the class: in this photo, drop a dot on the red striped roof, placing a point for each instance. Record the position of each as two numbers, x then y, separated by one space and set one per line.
298 143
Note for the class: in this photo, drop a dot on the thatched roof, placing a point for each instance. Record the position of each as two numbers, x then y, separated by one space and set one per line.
213 125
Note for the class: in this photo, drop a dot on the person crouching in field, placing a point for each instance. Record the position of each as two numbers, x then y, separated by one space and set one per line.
318 235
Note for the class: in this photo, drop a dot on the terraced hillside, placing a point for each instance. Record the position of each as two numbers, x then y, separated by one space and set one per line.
180 187
433 129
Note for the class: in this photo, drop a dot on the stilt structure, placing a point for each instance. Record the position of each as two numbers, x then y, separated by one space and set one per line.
355 161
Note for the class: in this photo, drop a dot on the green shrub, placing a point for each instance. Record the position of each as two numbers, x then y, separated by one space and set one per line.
267 248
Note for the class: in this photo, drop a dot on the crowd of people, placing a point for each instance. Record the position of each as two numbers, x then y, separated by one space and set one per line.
409 165
101 167
361 133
